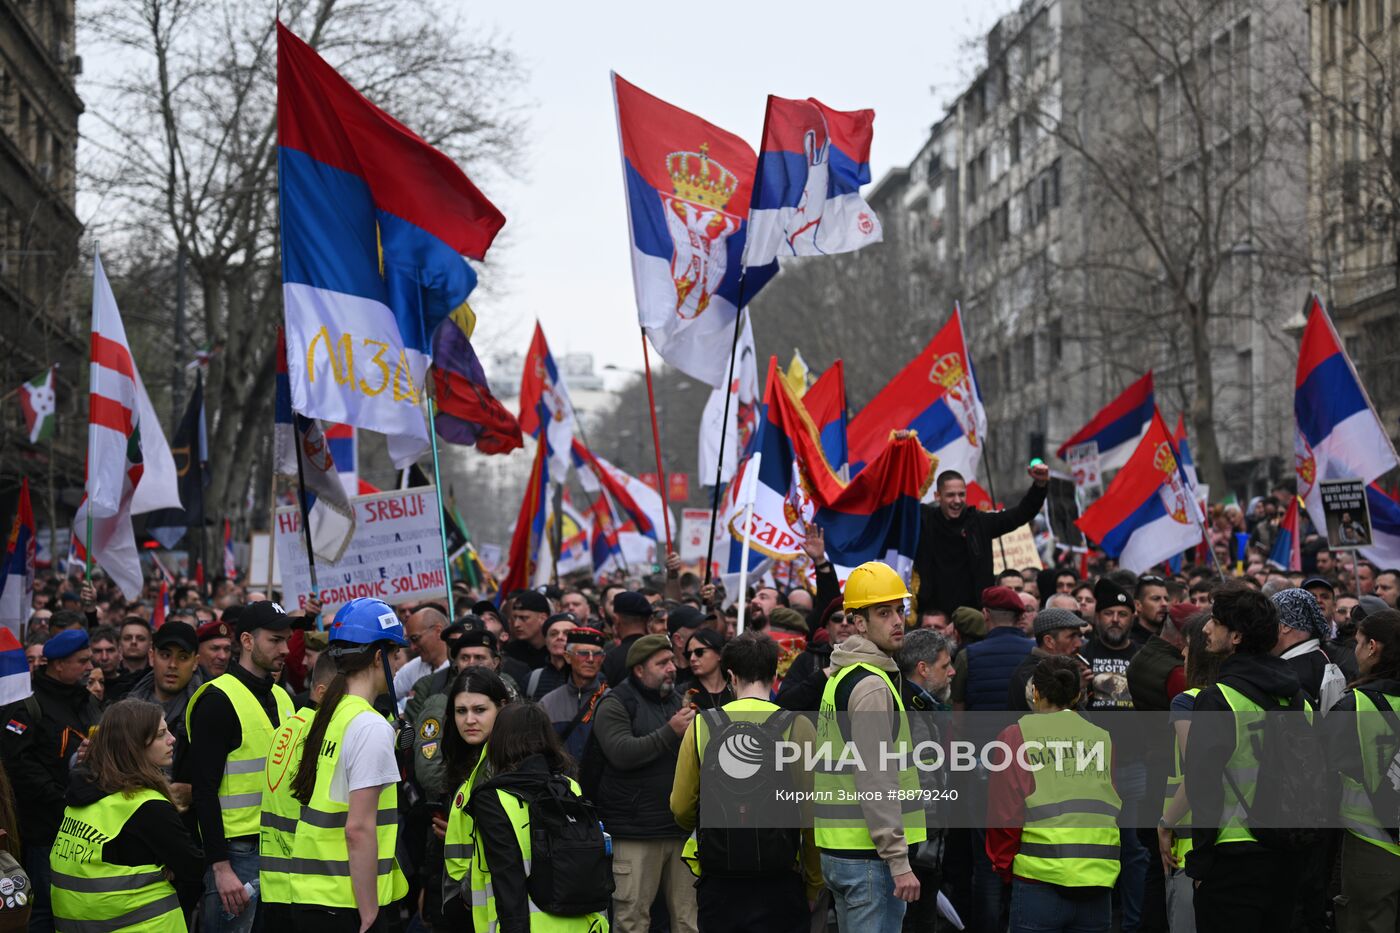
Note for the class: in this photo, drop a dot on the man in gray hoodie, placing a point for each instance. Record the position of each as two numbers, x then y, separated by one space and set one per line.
862 712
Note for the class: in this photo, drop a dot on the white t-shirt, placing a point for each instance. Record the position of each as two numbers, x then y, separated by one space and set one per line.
366 757
409 675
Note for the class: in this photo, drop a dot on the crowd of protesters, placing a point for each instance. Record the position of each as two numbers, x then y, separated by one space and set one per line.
155 779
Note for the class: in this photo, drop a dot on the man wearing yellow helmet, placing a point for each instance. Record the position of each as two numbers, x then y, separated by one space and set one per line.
864 679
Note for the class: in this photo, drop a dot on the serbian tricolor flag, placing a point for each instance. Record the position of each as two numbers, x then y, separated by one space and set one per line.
467 412
874 518
376 225
636 506
15 681
825 401
529 528
689 184
130 469
935 395
545 405
344 447
1339 435
1287 553
811 164
1119 427
17 584
1148 515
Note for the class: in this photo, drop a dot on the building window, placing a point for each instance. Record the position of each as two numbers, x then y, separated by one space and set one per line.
1015 132
1377 15
1054 340
1329 31
1353 20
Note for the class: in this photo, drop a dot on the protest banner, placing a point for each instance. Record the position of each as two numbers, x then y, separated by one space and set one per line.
1018 548
1347 512
395 554
1084 466
695 533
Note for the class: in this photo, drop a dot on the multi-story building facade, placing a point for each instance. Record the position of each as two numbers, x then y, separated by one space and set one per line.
1354 185
39 233
1054 200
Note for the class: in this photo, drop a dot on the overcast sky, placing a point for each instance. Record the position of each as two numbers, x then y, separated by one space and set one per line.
567 258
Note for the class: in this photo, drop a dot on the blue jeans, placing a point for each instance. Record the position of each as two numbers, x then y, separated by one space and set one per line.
243 858
1131 782
36 866
863 892
1043 908
988 890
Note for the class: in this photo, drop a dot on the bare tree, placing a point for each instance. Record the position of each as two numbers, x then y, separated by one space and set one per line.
1181 131
188 161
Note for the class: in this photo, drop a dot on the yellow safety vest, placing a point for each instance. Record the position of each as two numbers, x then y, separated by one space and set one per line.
320 869
92 896
457 844
1070 836
280 810
240 789
1181 839
836 813
1243 766
1374 734
484 917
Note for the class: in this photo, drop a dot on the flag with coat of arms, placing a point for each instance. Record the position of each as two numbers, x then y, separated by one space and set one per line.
37 401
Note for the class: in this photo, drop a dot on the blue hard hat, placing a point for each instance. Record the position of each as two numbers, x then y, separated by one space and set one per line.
366 621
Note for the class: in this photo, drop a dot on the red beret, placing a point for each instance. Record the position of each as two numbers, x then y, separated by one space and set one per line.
1002 597
216 629
1181 613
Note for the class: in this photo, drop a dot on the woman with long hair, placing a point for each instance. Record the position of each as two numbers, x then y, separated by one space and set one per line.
1059 808
343 866
473 702
1173 829
1362 749
121 840
527 762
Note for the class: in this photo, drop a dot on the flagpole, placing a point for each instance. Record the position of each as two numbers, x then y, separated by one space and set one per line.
751 492
305 524
656 443
271 527
602 492
724 428
992 491
437 480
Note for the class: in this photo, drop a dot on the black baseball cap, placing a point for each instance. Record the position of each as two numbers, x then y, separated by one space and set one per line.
530 601
176 633
630 603
263 614
1323 582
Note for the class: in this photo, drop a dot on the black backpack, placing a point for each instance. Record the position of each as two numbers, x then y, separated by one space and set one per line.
1289 751
1385 799
570 859
739 842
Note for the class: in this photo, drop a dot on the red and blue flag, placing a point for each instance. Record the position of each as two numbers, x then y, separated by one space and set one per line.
812 162
529 528
545 407
17 584
1148 515
825 401
689 184
15 680
936 395
467 412
1287 553
1339 435
376 228
1119 427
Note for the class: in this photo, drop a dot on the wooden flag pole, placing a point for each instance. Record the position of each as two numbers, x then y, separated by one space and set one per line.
437 481
656 444
305 523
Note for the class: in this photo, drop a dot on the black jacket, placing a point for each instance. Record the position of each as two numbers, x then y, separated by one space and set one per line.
39 750
1212 745
639 748
499 847
954 560
154 835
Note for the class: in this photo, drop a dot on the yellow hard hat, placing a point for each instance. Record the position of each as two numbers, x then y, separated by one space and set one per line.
873 582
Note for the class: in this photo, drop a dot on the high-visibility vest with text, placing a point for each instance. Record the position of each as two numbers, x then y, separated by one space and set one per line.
1377 748
280 810
91 895
1070 834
